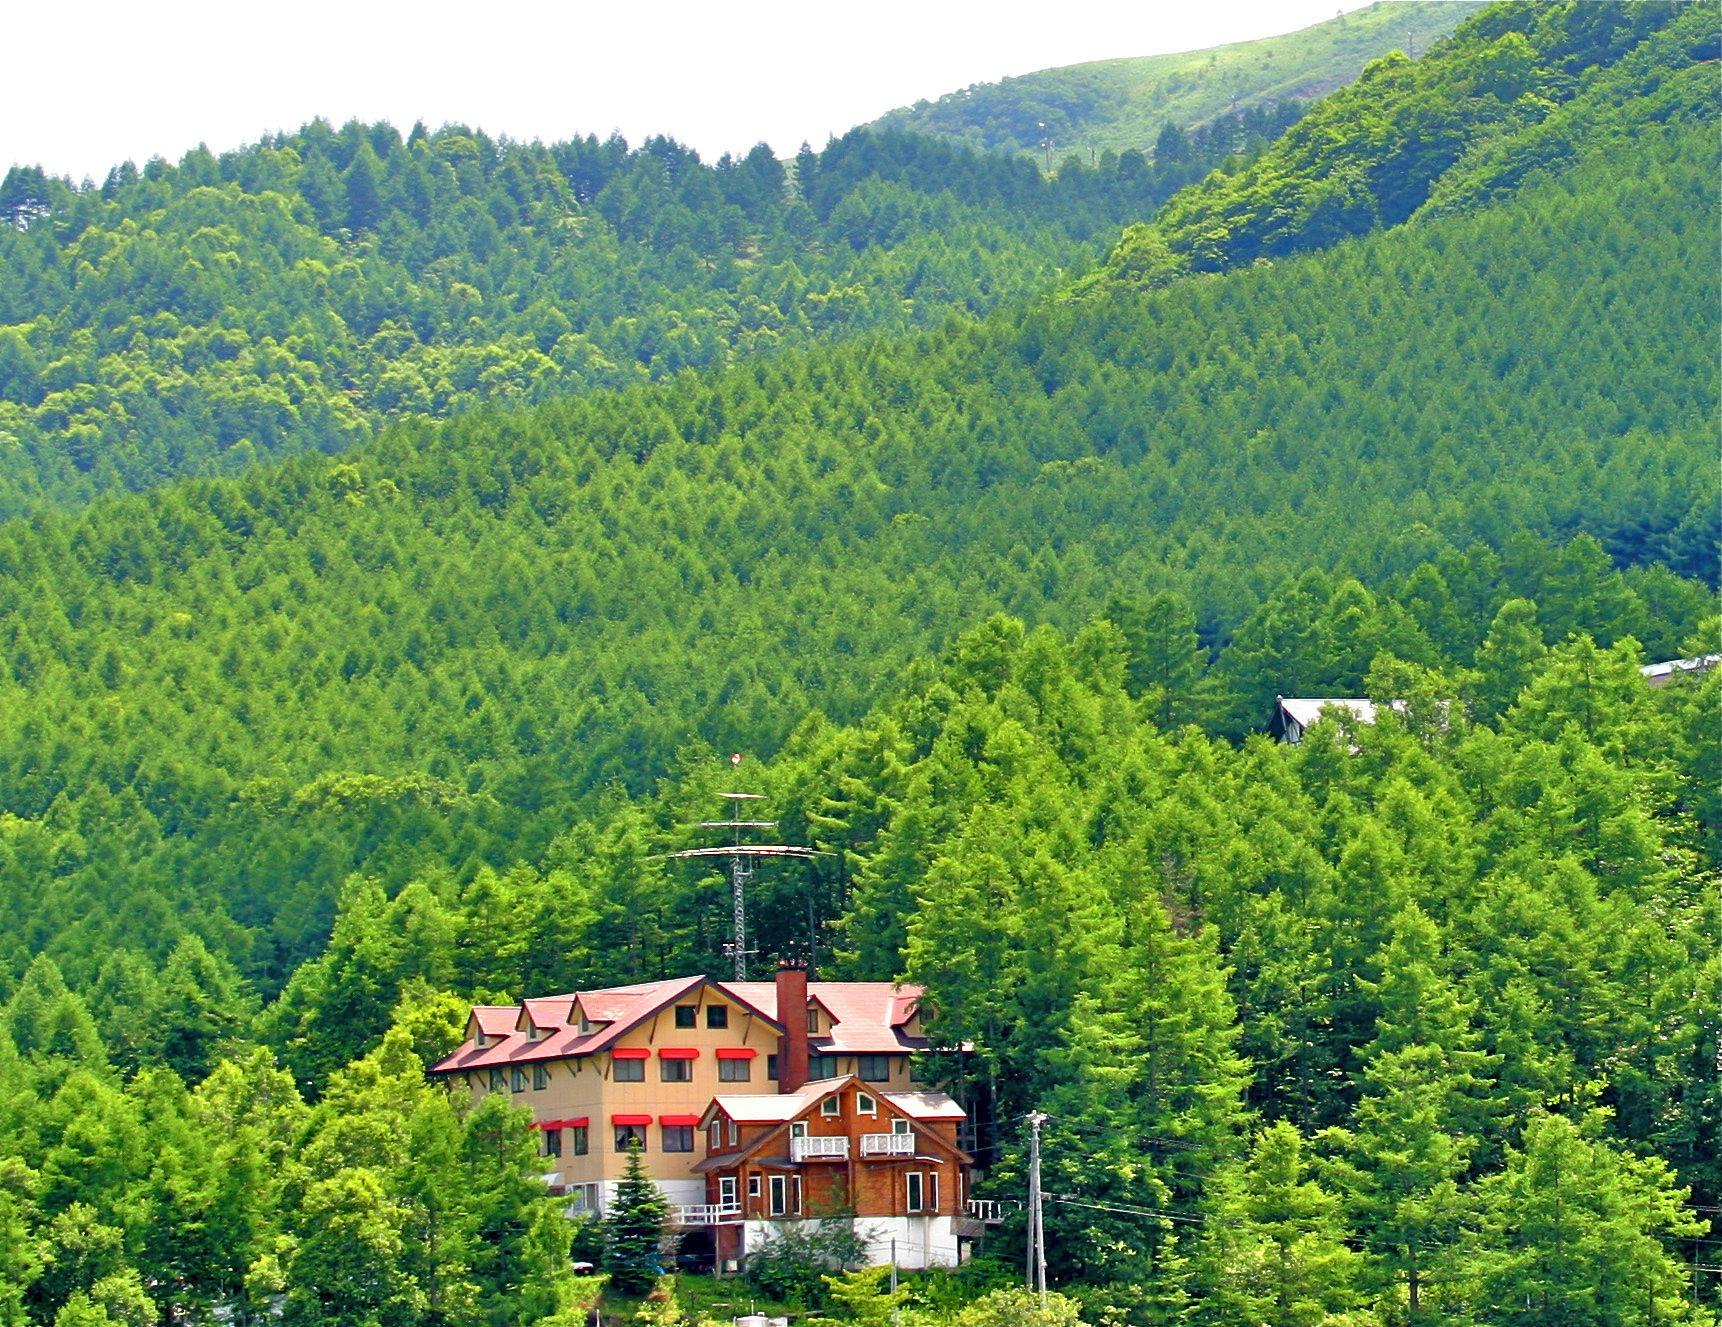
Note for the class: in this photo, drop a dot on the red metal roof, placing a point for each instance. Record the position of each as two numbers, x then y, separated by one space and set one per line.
867 1018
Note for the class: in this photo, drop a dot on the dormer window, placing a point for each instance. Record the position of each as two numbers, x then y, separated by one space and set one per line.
483 1041
812 1019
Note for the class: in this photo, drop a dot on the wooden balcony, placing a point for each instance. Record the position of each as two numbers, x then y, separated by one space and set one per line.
887 1144
704 1214
819 1149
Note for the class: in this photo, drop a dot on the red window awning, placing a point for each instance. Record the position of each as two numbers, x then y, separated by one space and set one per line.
678 1053
630 1053
736 1052
630 1119
679 1119
579 1123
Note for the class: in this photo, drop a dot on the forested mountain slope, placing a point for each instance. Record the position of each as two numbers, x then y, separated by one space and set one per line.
1520 87
1118 105
437 647
297 294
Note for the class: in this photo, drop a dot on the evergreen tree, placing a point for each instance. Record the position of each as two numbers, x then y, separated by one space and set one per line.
634 1229
1576 1233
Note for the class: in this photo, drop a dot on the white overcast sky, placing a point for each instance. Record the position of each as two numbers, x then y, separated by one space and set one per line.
87 85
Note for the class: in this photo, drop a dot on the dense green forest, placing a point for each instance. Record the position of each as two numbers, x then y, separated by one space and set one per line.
1519 88
1412 1023
294 296
1116 105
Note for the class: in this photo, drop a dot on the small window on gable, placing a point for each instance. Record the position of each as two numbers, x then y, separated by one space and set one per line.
717 1015
687 1015
865 1104
831 1106
714 1135
734 1134
812 1018
483 1041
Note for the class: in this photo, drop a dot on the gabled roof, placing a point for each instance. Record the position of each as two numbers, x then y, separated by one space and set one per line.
1657 672
774 1108
784 1108
628 1006
926 1105
1306 710
866 1016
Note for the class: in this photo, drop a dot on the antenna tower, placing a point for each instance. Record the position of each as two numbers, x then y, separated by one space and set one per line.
742 858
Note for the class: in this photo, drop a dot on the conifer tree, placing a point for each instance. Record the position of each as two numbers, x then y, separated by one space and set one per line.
634 1229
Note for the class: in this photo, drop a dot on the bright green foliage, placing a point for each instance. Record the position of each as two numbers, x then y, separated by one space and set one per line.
1016 1307
1132 105
1516 89
634 1229
428 657
1575 1232
1275 1244
298 294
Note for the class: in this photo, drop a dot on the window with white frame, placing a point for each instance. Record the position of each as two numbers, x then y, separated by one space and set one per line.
831 1106
779 1205
866 1104
916 1183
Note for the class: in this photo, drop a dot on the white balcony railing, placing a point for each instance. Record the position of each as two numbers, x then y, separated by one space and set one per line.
989 1209
887 1144
704 1214
818 1149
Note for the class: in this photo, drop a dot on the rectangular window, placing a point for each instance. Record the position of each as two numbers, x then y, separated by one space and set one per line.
899 1125
779 1195
717 1015
517 1080
540 1078
873 1068
771 1067
932 1191
821 1066
678 1137
914 1180
920 1071
630 1071
497 1081
714 1136
579 1139
753 1186
687 1015
675 1071
734 1134
795 1194
735 1071
553 1142
726 1191
630 1133
812 1019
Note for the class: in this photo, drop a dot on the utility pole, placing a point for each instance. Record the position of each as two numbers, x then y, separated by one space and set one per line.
1036 1226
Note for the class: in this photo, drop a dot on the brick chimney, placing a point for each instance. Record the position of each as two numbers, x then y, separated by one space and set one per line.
792 1013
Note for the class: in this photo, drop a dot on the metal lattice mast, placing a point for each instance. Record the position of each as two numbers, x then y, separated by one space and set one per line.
742 856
